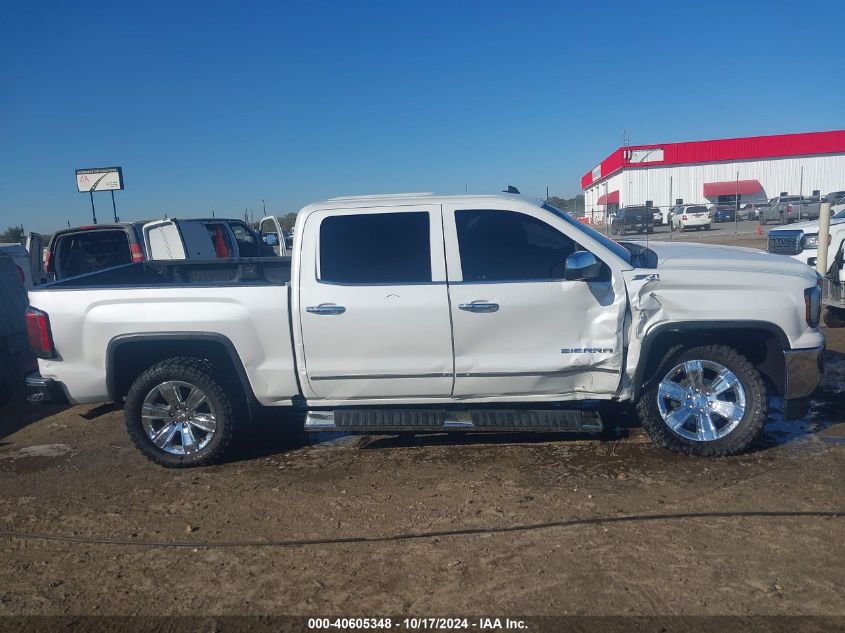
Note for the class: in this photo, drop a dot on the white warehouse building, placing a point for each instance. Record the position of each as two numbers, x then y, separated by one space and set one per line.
752 169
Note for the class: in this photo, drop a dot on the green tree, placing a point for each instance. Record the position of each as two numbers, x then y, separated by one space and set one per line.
575 205
13 234
287 221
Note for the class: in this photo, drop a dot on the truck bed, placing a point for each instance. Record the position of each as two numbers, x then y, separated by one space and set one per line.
245 271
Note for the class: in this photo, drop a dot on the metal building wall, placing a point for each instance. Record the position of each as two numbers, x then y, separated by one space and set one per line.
663 184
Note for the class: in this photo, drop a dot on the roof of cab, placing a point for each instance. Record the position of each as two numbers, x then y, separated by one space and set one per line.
407 199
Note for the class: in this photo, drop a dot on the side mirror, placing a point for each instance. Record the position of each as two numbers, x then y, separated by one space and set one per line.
582 266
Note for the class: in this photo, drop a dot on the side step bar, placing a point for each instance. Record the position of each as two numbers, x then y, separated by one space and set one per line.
437 420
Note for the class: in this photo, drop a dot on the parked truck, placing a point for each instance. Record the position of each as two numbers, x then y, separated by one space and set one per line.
801 241
788 209
85 249
428 313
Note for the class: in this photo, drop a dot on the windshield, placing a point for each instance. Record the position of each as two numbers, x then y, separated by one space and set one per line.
841 214
617 249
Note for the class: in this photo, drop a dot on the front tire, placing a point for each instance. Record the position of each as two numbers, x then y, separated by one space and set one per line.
706 227
707 400
178 414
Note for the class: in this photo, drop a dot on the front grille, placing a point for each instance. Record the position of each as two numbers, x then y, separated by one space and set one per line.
785 242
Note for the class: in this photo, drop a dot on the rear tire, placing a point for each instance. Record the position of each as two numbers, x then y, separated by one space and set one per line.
691 420
190 444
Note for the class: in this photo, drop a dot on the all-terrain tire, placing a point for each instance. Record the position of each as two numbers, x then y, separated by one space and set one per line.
741 437
194 371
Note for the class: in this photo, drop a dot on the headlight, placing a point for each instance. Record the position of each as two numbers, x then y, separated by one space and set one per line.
811 241
813 305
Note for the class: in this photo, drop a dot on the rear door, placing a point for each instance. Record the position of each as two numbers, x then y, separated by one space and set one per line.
35 248
519 328
373 304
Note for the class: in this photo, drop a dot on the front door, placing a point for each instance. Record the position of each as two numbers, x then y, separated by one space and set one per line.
519 328
373 304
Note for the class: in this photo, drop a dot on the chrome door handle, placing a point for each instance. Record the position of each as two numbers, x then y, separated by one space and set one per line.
479 306
325 309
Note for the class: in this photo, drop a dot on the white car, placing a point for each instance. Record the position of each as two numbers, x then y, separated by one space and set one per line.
432 313
693 216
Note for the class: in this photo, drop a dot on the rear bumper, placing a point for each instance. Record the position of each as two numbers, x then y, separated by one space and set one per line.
45 390
804 370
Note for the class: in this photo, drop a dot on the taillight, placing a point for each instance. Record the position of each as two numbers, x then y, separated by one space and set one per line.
137 253
684 218
21 275
789 208
48 262
38 332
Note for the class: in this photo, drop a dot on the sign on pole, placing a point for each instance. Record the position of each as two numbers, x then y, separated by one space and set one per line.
99 179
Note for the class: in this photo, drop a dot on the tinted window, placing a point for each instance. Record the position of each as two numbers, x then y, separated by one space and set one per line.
79 253
510 246
247 244
375 248
220 239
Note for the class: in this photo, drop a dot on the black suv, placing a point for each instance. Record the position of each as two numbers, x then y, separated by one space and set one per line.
633 219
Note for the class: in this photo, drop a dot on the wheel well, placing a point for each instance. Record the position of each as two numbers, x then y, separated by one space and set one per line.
128 356
763 347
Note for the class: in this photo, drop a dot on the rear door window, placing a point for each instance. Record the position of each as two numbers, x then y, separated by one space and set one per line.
85 252
220 239
375 248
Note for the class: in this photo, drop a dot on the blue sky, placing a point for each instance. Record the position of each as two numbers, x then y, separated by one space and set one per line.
212 105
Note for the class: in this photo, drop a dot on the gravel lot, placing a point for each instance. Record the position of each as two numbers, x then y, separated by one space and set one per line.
699 546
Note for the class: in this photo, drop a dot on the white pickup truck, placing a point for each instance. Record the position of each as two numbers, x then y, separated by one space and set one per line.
801 241
428 313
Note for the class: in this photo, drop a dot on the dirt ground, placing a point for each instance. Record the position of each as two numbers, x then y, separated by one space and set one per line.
677 535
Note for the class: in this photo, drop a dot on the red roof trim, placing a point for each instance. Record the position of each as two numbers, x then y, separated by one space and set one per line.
731 149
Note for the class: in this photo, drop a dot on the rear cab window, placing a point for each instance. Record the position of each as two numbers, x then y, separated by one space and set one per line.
87 251
375 248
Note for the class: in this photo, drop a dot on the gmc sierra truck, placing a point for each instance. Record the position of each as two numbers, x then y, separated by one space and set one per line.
428 313
801 241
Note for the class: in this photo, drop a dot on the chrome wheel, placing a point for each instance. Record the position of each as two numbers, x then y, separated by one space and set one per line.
178 417
701 400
